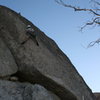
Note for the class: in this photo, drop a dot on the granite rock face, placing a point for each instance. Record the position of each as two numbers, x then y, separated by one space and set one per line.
45 64
24 91
8 65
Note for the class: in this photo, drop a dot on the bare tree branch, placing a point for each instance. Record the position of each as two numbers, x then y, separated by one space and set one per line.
93 43
77 8
94 21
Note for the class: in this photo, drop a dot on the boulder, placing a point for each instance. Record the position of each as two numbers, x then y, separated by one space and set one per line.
24 91
7 63
97 95
45 64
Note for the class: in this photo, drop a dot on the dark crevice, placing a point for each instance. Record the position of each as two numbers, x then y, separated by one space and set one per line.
46 82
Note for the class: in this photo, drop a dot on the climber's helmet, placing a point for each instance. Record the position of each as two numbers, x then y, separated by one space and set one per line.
28 26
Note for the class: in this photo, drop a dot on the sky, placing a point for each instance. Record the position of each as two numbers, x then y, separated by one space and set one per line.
63 25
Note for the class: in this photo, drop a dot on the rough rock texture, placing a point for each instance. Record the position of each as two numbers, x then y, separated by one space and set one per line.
24 91
97 96
7 62
45 64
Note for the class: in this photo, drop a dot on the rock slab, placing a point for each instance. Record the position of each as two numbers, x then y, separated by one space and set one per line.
45 64
7 63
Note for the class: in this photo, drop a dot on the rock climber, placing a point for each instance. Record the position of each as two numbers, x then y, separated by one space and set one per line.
31 33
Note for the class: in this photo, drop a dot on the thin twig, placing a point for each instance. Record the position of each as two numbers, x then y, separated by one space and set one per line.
93 43
94 21
76 8
98 3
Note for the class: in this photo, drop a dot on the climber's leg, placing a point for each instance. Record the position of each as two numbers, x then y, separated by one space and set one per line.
33 37
25 41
